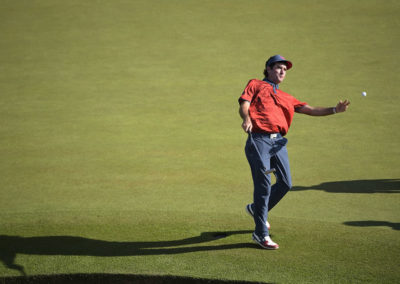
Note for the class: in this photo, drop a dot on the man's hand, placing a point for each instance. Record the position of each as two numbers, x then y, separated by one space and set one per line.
244 114
342 106
247 125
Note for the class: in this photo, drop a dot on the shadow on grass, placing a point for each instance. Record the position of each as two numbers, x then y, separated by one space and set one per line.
10 246
356 186
114 278
394 226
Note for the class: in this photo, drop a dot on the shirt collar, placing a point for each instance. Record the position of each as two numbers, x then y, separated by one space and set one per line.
275 86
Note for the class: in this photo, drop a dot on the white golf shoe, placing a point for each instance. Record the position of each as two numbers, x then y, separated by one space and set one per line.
265 242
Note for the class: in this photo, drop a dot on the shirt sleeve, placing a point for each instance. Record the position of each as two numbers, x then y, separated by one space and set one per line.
297 103
248 93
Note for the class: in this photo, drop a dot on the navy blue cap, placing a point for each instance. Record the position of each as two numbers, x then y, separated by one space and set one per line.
278 58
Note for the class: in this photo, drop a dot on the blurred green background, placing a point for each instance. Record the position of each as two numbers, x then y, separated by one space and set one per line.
119 122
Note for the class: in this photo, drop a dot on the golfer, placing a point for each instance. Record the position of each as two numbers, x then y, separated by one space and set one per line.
267 113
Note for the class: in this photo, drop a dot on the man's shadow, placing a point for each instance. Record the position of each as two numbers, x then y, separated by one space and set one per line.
360 186
370 223
356 186
10 246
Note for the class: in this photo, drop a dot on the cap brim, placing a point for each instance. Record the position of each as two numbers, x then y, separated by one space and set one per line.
288 64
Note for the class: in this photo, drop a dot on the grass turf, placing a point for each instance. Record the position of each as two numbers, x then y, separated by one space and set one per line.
122 150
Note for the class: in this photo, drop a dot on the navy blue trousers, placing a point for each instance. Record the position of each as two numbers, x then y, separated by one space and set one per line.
264 153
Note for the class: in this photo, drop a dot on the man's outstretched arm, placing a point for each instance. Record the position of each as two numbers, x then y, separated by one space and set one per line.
322 111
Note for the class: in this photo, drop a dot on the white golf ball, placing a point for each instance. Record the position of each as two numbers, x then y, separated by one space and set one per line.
364 94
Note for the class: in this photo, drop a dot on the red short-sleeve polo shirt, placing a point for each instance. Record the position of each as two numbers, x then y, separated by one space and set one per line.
270 112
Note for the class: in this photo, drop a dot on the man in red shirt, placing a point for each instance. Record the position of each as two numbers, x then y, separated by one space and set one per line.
267 113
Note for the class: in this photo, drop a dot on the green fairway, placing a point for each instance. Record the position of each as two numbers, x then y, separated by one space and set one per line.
122 152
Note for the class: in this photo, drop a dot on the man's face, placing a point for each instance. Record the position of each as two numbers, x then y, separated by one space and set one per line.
277 73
